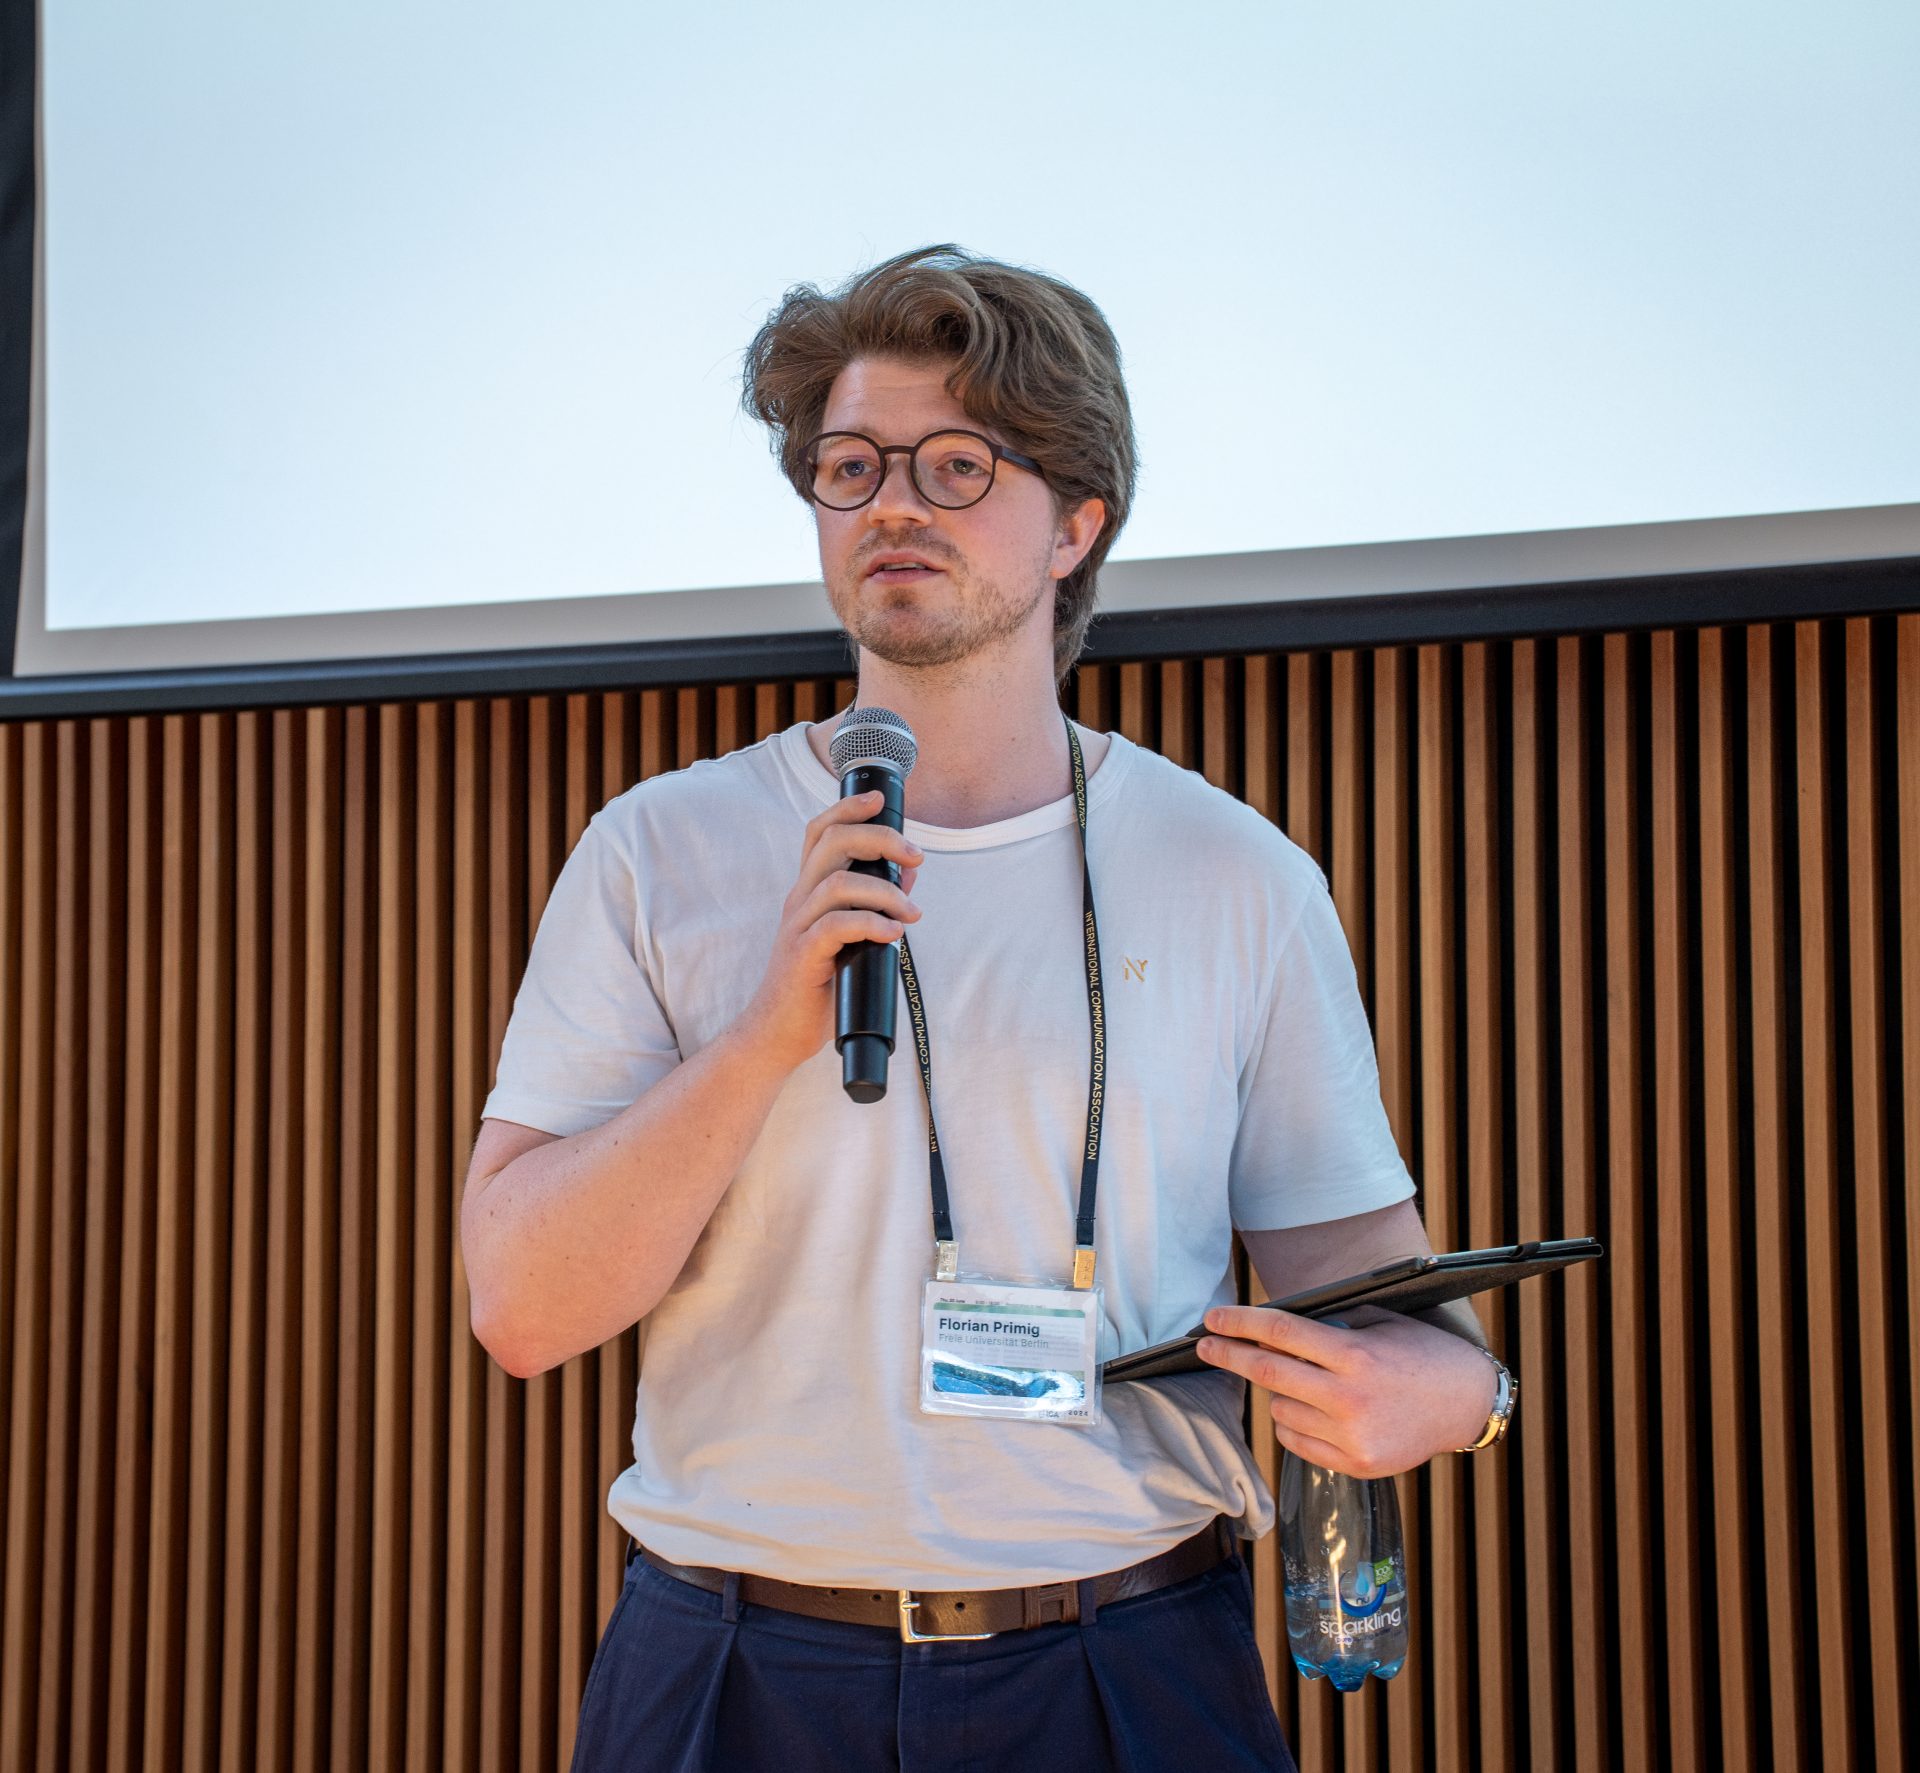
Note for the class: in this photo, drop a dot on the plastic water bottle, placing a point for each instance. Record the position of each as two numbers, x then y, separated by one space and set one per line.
1345 1574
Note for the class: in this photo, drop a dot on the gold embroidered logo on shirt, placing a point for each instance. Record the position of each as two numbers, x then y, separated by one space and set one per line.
1135 969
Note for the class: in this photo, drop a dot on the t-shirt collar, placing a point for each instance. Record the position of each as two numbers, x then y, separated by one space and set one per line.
818 783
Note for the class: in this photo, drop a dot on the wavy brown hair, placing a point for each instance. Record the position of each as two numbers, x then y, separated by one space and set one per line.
1032 357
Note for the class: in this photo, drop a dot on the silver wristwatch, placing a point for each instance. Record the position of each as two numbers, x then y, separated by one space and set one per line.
1503 1402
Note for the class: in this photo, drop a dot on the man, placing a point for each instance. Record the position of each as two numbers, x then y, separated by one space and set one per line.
669 1137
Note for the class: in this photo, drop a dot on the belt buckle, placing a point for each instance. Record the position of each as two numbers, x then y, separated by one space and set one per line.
908 1602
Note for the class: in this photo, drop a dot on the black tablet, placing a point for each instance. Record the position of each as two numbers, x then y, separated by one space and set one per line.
1412 1284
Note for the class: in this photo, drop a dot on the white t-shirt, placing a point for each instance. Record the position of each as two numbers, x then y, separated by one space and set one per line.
777 1427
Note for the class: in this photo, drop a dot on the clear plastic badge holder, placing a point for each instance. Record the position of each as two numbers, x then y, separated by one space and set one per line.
1021 1351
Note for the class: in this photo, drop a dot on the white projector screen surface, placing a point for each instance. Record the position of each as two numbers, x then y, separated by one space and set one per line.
358 310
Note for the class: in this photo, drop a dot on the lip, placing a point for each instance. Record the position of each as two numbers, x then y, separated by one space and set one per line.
899 558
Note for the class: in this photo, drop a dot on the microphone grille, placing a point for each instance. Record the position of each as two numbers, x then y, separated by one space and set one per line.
873 735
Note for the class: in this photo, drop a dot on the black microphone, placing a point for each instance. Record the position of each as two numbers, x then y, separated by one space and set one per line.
873 748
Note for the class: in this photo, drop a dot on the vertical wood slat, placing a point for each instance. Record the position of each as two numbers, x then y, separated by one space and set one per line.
162 1544
434 1058
1537 1207
279 1483
1176 738
244 1432
1263 741
1589 1491
263 1493
209 1406
1627 1205
1135 686
1820 1159
319 1279
1781 1394
1906 762
393 1250
1346 808
1220 715
1674 1263
67 1119
1727 1279
354 1086
105 1024
1091 697
1305 818
30 1280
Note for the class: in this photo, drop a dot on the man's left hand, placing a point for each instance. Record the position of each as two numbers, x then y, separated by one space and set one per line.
1371 1402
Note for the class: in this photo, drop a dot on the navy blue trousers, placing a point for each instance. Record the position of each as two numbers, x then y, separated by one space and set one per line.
690 1682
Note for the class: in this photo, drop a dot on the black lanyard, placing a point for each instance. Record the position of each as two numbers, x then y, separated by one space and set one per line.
946 1249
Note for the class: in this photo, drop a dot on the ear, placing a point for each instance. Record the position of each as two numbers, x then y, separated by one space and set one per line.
1079 528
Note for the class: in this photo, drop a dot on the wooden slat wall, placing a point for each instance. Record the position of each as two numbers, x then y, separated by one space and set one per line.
1637 919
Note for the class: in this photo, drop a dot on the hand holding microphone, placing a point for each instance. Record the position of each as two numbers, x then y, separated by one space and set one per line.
850 897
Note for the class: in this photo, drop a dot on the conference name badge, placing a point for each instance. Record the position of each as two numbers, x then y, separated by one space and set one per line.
1017 1352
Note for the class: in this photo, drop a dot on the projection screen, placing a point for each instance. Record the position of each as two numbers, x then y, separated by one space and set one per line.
360 333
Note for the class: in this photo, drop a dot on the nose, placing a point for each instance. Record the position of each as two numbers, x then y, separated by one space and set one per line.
898 498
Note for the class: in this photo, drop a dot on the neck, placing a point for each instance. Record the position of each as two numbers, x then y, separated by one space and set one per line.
991 746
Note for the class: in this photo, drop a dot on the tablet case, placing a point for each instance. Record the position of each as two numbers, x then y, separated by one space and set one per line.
1413 1284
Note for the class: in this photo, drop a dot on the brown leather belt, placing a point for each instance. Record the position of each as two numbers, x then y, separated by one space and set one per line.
926 1616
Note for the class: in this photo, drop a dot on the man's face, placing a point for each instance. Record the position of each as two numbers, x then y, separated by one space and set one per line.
989 570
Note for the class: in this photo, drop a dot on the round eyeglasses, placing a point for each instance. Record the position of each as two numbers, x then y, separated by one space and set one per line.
952 469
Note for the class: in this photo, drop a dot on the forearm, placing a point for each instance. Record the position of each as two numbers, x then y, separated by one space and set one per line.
1306 1256
578 1239
1457 1317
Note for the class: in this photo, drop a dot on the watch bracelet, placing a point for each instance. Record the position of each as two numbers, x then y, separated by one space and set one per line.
1501 1414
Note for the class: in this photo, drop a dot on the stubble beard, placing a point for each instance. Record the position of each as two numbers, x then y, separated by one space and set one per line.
980 617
